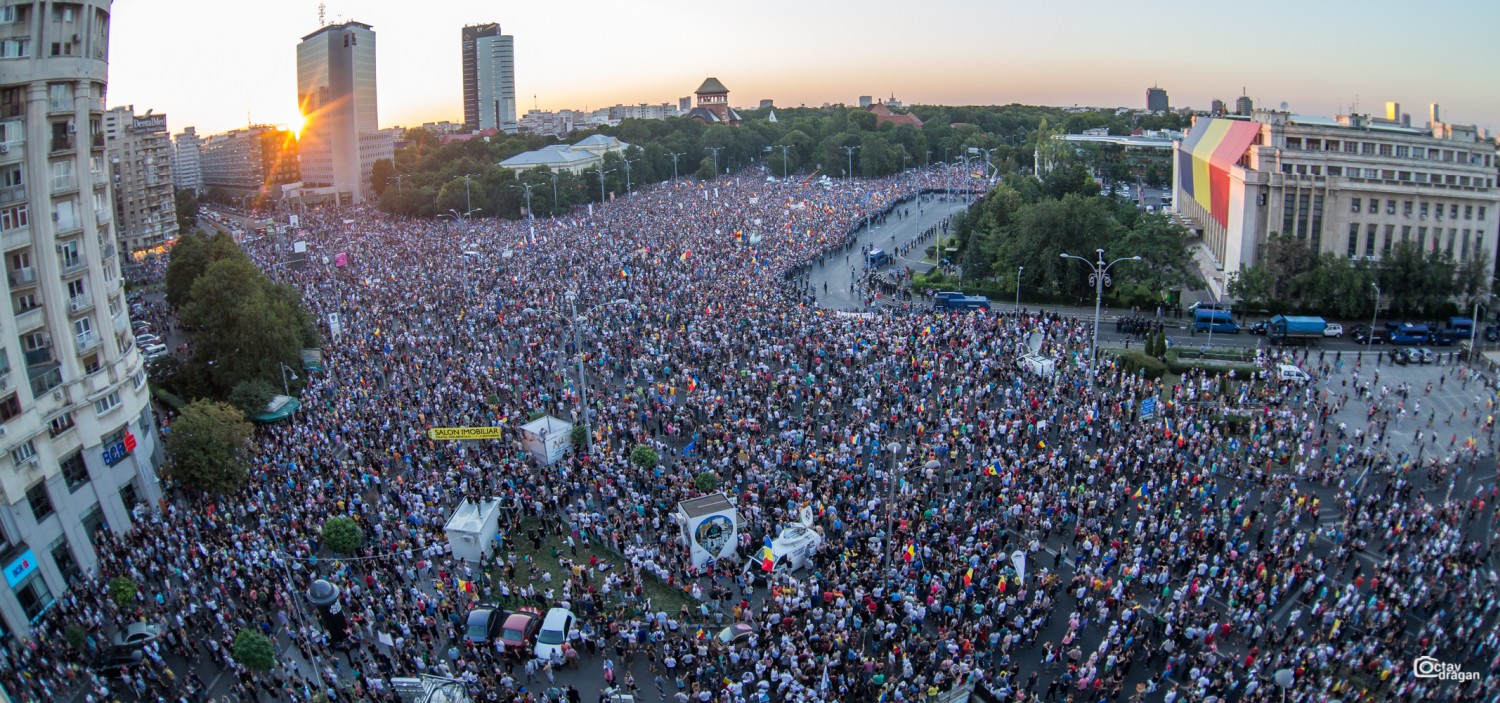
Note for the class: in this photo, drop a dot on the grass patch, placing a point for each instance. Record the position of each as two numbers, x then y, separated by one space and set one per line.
554 549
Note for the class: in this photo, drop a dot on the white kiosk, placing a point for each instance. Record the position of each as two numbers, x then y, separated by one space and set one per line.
472 529
710 525
547 438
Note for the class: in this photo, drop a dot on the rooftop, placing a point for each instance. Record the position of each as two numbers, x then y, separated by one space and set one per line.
711 85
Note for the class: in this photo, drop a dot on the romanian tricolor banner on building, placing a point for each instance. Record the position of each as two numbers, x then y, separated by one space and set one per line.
1207 153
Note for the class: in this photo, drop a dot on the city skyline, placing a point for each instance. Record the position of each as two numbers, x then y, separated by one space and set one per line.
1103 56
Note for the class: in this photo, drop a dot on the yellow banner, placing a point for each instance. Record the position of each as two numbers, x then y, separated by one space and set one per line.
453 433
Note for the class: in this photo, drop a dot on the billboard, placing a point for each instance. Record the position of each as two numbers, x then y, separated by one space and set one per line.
145 124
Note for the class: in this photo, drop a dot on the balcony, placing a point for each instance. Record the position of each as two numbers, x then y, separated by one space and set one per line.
41 356
107 250
101 178
97 141
101 215
29 319
80 303
45 378
63 183
12 194
64 105
22 277
62 143
122 323
15 109
12 149
5 379
74 265
65 225
86 342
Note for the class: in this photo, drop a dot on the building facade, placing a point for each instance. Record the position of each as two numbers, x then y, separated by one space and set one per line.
187 170
253 161
140 155
587 153
713 104
77 438
336 94
489 75
1350 185
1156 100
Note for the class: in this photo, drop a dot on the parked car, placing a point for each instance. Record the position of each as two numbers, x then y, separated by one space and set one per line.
1405 356
519 629
1333 329
146 340
1259 327
1362 335
136 634
1423 355
1292 374
555 629
483 625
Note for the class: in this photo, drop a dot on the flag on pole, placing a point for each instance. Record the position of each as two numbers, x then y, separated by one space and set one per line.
1018 560
991 470
911 552
969 578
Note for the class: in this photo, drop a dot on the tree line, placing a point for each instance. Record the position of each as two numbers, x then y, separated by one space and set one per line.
1292 277
427 177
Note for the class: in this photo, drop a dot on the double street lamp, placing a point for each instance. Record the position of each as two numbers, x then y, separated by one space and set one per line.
1099 276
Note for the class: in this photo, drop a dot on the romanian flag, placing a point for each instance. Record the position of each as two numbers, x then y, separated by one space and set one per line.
685 255
739 236
969 577
692 384
991 471
1140 492
625 272
464 586
1040 444
927 330
767 558
911 552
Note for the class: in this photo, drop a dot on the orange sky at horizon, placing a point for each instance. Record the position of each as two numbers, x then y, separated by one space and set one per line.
944 52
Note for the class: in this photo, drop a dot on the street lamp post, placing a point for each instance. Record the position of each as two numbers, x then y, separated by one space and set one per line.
554 194
715 150
526 187
1100 278
1370 339
783 148
468 205
583 387
285 388
850 151
627 163
601 182
1474 327
885 565
1018 288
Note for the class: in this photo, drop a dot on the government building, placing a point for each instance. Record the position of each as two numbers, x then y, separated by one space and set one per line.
1352 185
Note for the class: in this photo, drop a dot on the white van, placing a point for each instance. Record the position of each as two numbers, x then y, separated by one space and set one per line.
153 351
1288 372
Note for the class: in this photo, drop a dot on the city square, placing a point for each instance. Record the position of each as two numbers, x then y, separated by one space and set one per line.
879 403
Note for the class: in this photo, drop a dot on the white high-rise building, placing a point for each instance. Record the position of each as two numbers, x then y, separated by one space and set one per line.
187 160
78 448
336 93
489 66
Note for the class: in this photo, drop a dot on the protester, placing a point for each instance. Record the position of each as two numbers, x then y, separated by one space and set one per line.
1164 558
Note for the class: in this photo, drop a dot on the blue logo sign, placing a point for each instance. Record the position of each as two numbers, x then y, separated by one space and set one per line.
19 569
1148 408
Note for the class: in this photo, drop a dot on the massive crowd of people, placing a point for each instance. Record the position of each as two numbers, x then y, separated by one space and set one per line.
1034 535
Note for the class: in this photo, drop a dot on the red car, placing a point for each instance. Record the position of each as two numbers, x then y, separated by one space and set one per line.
519 629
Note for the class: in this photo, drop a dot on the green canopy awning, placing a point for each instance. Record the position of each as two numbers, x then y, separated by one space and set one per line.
280 408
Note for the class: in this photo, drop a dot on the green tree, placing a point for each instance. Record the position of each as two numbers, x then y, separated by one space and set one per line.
643 456
251 396
1252 285
122 591
75 636
706 481
187 210
254 650
247 326
342 535
1287 259
382 175
206 447
580 438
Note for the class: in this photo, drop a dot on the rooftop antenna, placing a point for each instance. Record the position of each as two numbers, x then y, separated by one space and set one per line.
321 21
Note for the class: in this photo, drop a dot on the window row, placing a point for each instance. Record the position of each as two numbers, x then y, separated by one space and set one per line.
1420 209
1400 151
1457 244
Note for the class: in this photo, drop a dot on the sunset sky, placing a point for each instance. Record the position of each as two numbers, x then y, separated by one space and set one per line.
216 66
